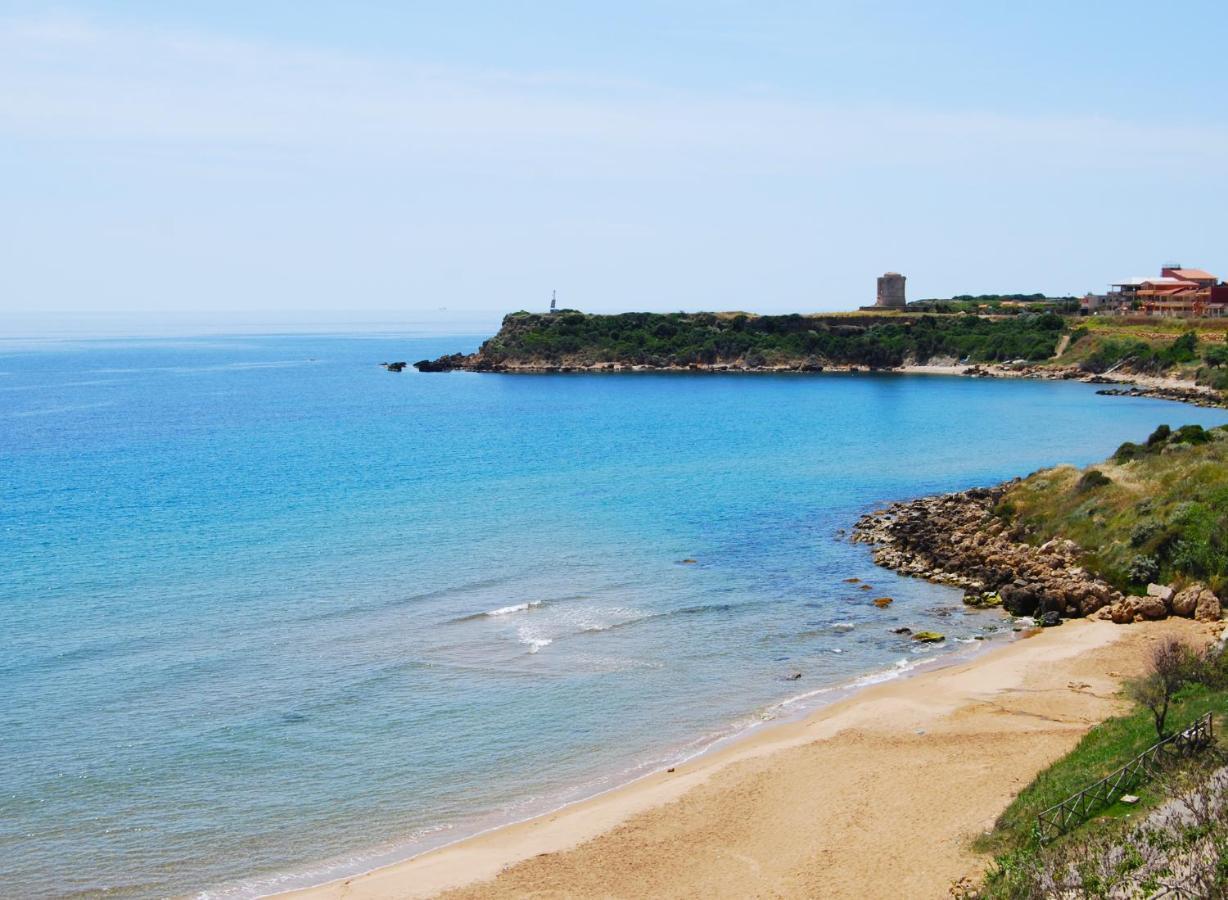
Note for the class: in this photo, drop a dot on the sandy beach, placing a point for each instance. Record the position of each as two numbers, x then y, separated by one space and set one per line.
878 795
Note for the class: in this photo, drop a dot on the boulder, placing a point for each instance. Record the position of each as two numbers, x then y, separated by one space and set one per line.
1209 608
1160 591
929 637
1049 619
1185 601
883 602
1150 608
1019 599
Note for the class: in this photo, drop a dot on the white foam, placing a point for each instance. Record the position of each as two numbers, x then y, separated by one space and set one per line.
533 638
508 610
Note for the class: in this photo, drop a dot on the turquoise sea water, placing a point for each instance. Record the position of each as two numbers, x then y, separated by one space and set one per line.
272 614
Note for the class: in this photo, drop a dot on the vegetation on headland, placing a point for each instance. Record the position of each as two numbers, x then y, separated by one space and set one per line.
997 304
1189 351
1127 849
707 339
1154 512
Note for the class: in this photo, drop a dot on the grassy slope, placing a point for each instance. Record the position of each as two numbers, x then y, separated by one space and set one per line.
1149 346
1021 863
1170 505
1107 747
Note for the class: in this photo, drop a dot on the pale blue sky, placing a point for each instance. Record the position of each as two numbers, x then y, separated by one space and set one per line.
216 165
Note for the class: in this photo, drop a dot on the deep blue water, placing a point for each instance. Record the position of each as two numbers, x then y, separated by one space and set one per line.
248 586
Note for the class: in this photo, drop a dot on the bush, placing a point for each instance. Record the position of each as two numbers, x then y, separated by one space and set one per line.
1191 434
1216 355
1128 451
1143 569
1092 479
1159 436
1144 531
1183 350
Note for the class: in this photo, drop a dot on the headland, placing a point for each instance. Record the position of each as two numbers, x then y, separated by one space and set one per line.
1184 360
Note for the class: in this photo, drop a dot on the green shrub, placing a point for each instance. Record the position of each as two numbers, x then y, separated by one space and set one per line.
1092 479
1143 569
1191 434
1159 436
1128 451
1144 531
1216 355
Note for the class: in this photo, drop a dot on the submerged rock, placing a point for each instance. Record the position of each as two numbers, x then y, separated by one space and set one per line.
883 602
929 637
983 600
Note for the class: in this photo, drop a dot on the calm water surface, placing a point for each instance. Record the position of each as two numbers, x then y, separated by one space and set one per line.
272 614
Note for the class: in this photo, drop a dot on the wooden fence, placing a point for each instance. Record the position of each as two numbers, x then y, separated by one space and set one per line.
1076 809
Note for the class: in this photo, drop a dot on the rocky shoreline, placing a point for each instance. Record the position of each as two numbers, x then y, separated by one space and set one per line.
1186 393
958 539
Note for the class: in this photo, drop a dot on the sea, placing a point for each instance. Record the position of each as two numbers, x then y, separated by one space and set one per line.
274 615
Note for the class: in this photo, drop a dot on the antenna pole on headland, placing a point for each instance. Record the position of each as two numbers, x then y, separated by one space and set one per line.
554 301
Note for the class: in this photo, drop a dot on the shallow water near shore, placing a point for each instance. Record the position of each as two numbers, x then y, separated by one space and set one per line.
276 615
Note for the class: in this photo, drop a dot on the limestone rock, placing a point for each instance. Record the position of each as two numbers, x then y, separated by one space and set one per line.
1160 591
1150 608
1209 608
1185 602
958 539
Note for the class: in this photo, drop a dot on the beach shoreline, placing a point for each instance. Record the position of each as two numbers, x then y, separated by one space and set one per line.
1038 696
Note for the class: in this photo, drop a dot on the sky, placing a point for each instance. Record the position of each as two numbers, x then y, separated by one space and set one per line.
213 165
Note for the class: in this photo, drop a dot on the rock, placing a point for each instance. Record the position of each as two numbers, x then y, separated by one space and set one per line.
793 676
1160 591
687 562
883 602
1186 601
394 366
1051 618
983 600
1019 599
903 629
929 637
1209 608
444 364
960 540
1150 608
851 580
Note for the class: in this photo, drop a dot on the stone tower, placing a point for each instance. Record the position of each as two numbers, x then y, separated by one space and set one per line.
891 291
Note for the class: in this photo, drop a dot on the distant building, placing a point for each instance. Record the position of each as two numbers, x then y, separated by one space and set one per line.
1177 292
891 291
1103 304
